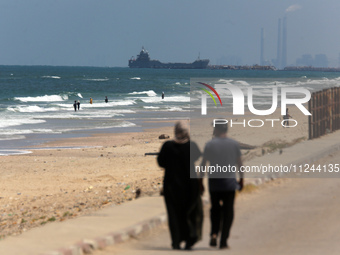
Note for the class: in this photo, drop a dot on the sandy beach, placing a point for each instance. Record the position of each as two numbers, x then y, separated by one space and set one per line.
103 170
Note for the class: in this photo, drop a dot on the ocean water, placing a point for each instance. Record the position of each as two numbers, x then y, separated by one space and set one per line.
36 102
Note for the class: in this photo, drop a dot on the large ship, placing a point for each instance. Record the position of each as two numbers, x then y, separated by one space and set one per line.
143 61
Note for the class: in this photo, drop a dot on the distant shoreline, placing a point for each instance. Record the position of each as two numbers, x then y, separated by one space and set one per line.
33 142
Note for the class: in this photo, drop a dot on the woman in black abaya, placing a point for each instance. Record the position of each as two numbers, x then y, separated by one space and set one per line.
182 193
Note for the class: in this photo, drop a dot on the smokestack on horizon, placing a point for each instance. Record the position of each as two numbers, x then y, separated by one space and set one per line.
284 43
262 48
278 55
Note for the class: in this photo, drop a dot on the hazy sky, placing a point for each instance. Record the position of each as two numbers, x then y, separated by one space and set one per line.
109 32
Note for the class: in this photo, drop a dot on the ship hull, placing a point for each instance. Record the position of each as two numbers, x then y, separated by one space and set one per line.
143 61
198 64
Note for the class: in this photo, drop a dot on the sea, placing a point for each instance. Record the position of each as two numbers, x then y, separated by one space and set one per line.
36 102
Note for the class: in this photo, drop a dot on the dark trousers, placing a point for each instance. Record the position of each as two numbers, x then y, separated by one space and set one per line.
185 217
222 213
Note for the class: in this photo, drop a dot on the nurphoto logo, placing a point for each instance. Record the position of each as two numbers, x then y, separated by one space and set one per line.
288 96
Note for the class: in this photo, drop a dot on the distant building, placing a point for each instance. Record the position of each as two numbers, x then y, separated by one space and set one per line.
305 60
320 60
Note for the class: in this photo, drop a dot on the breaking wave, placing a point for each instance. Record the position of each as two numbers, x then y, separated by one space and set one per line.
46 98
150 93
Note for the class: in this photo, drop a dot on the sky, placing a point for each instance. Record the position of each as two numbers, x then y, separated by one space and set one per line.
109 32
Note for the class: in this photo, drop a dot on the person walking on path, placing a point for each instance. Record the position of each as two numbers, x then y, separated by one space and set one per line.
223 152
181 193
286 119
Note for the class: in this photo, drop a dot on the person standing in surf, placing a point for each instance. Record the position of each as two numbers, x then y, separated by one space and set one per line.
75 105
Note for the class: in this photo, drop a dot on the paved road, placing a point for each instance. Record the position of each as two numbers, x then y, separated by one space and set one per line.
286 216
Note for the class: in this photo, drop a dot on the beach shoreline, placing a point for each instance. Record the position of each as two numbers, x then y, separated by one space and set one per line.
70 177
29 142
